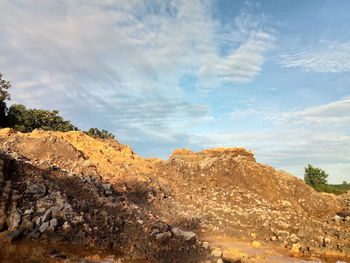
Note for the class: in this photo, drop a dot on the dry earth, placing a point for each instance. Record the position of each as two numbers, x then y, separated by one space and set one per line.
69 187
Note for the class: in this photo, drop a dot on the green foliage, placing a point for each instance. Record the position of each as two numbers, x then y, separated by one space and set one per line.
4 86
317 179
26 120
96 133
4 95
315 176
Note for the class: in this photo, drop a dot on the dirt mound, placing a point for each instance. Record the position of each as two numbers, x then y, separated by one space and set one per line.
237 168
220 191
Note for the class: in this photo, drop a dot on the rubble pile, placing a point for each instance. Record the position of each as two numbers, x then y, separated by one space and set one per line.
69 187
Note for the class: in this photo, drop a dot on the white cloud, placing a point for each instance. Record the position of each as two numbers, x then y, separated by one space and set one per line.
317 135
332 57
333 113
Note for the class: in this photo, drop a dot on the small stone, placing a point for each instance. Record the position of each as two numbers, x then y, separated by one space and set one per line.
296 248
256 244
55 212
216 253
66 226
53 222
107 187
154 233
43 227
47 215
67 208
205 245
185 235
37 220
162 237
28 211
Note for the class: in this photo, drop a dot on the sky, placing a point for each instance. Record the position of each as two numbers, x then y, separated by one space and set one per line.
272 76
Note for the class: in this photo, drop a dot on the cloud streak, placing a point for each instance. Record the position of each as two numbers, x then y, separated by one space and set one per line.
331 57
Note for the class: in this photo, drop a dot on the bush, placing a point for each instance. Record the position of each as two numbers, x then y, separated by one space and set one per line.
96 133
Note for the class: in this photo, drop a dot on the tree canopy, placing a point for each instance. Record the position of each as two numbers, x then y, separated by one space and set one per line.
26 120
4 95
315 176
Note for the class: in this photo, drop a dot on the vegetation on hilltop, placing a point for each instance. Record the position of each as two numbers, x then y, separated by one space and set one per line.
317 179
96 133
26 120
22 119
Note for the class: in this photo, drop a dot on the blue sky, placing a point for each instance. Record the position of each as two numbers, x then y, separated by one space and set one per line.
270 76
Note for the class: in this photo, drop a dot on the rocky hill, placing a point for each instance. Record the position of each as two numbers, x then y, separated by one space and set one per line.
69 187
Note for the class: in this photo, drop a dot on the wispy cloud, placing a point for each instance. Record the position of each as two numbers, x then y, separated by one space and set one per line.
118 64
333 113
332 57
244 59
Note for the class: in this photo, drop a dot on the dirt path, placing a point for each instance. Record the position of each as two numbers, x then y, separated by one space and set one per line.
256 252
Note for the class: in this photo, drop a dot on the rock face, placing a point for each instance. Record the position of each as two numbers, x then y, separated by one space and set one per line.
70 187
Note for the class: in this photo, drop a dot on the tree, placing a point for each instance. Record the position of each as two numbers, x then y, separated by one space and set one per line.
315 177
26 120
4 95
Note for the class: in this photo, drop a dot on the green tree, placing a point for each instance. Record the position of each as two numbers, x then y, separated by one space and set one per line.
315 177
4 95
26 120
